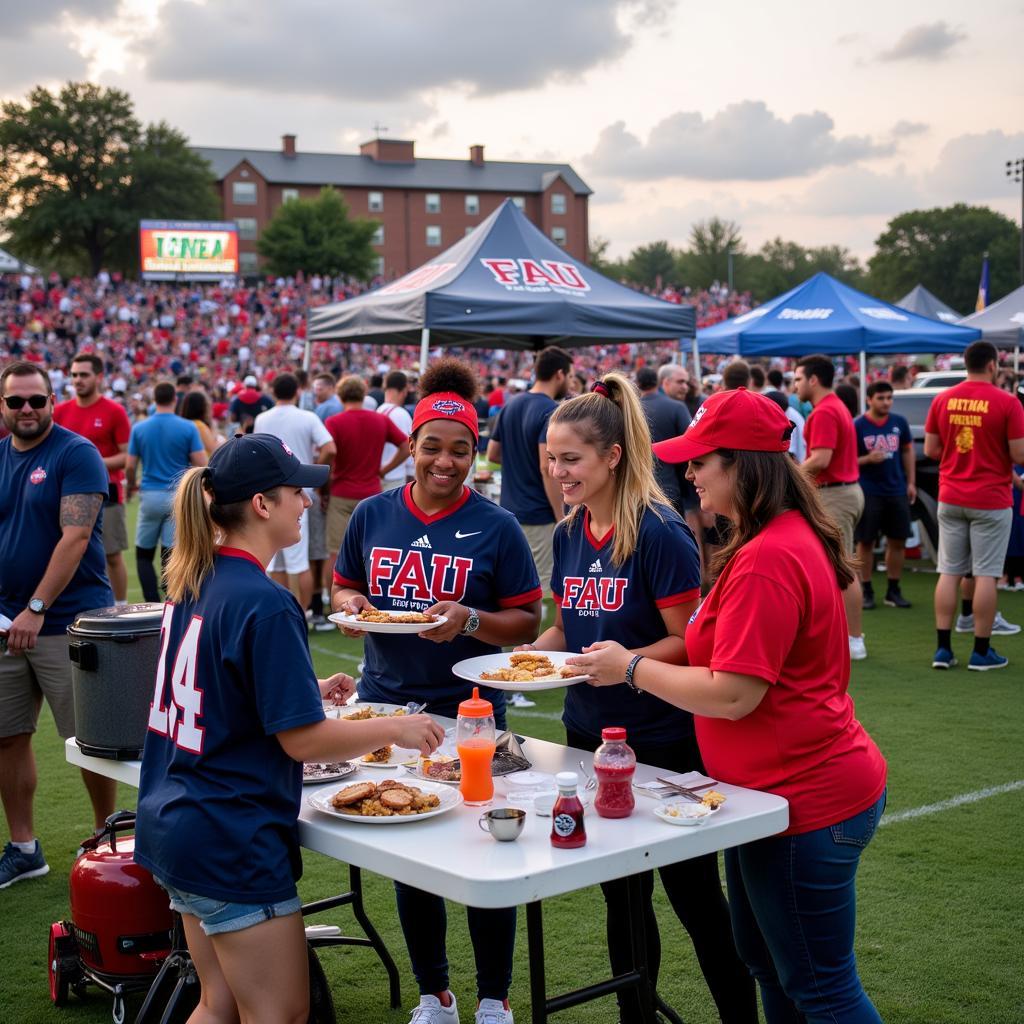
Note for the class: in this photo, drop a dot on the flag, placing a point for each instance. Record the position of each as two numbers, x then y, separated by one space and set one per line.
982 287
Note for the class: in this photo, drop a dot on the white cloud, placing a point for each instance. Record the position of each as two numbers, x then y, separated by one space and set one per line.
972 167
925 42
391 49
904 129
859 192
744 141
21 19
38 55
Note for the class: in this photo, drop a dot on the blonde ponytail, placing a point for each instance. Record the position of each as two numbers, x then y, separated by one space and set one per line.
612 414
194 538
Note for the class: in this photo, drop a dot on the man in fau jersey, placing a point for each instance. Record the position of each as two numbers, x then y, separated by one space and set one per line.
105 423
437 546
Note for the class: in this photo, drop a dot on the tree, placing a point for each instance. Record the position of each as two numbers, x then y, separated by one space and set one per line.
652 264
943 249
707 259
317 235
781 265
597 257
77 173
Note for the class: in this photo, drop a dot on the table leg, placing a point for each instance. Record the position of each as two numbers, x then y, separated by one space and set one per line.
355 876
638 940
535 942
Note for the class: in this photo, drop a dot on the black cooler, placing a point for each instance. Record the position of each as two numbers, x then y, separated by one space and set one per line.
114 655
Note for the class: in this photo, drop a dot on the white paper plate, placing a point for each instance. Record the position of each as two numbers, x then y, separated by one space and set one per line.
352 622
450 799
472 667
382 709
661 811
346 769
414 771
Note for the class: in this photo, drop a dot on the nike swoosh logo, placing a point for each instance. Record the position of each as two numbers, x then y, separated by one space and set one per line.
463 536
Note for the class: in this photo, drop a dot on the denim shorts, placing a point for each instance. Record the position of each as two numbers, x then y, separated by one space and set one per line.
217 916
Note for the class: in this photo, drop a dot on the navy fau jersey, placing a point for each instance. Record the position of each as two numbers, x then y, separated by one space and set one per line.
600 601
473 553
218 797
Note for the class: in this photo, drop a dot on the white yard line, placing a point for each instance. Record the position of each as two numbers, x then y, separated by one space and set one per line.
553 716
953 801
334 654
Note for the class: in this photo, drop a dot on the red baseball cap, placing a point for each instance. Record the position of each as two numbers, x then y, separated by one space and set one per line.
738 419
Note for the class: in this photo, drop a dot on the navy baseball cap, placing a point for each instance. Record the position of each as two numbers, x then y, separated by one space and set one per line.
252 463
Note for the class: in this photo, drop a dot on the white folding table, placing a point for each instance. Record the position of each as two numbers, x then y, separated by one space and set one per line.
451 856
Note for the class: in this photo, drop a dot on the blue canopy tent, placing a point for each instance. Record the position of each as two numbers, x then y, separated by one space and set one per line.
506 284
825 315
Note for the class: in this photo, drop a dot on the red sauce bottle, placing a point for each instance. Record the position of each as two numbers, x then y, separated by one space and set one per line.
614 766
567 830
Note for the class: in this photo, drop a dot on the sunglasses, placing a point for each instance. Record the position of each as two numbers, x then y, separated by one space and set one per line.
16 402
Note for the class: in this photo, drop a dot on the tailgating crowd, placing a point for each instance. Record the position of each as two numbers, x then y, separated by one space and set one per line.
158 377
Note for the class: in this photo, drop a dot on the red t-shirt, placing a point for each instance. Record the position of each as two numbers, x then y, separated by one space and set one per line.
360 436
830 425
776 612
975 421
105 423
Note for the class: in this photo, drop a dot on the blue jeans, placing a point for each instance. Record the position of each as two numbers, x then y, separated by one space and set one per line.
217 917
793 907
155 522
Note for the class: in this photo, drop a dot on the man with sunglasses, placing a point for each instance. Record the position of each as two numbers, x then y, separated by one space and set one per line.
105 423
52 567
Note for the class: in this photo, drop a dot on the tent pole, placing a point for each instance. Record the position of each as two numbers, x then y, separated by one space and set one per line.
863 380
309 353
424 348
696 362
1016 360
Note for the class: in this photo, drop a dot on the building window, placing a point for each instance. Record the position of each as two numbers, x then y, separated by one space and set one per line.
520 201
288 194
378 267
378 236
558 236
472 205
248 263
243 193
246 228
557 203
375 202
433 235
433 200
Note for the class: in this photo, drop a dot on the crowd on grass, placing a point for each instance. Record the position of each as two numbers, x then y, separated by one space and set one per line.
714 594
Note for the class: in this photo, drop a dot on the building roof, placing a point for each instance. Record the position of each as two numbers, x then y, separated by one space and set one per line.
355 170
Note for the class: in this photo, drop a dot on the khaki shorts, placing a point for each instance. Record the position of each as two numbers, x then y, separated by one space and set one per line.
538 536
25 679
973 540
339 512
845 505
115 529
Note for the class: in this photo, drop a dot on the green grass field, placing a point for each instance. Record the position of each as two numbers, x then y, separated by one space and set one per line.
940 894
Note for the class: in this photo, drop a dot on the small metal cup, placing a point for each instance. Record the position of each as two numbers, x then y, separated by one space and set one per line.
504 823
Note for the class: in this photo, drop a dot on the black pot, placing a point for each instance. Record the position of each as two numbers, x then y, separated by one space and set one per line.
114 654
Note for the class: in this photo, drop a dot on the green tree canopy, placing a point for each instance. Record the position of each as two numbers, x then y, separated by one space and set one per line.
707 258
78 172
943 249
649 264
317 235
781 265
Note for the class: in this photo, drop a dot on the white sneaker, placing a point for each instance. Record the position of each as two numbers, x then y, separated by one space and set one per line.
520 700
1000 627
492 1011
430 1011
965 623
858 651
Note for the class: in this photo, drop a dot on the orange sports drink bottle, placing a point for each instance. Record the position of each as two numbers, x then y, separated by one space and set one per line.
474 741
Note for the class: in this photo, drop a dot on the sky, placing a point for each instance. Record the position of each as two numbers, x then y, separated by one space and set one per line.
815 122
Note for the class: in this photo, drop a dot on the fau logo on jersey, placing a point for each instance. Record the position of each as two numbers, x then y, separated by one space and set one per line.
417 575
888 443
590 594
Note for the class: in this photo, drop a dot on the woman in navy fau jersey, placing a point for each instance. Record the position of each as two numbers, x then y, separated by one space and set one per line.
438 546
236 710
768 667
626 566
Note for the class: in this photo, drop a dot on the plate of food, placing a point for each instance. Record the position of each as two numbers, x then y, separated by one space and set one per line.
686 812
397 620
443 768
388 756
386 803
522 671
315 773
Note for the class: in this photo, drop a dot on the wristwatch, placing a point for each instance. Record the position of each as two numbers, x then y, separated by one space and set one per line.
472 623
36 606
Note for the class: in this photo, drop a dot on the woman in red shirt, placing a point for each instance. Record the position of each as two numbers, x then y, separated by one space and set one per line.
766 677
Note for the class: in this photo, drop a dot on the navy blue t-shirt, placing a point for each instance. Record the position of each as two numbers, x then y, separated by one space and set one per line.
885 479
218 797
602 602
32 484
521 427
473 553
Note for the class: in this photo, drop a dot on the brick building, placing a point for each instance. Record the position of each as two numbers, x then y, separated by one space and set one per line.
422 205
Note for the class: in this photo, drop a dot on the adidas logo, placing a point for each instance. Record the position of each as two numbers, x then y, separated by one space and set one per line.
596 566
421 542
